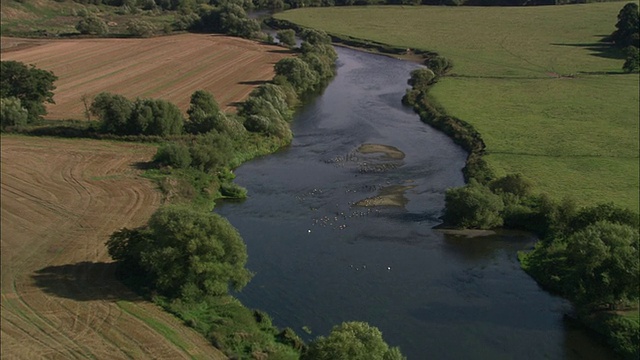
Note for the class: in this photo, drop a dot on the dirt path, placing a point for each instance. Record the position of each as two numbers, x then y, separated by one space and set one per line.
61 199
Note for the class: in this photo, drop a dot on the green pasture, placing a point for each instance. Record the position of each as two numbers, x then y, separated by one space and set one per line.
547 95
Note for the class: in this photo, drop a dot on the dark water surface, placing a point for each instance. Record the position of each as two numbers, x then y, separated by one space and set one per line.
320 259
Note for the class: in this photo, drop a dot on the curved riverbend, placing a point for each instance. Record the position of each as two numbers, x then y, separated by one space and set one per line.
339 227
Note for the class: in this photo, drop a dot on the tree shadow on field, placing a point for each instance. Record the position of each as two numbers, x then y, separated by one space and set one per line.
601 48
83 281
253 82
283 51
144 165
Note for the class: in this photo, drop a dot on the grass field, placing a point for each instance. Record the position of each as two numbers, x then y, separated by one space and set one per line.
548 97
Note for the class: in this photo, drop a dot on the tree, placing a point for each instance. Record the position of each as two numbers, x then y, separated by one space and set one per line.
422 78
632 60
92 25
140 28
32 86
603 264
439 64
627 27
287 37
155 117
352 341
186 253
12 113
204 113
473 206
113 111
297 73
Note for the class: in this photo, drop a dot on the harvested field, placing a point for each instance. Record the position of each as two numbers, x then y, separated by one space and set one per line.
61 199
169 67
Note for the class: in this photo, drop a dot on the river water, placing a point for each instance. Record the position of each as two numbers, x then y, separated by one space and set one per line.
338 228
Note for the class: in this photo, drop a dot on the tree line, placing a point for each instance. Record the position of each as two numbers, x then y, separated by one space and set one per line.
627 36
588 255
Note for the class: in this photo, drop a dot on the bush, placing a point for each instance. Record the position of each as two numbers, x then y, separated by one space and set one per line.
632 60
173 154
514 184
352 341
439 64
287 37
140 28
92 25
473 206
232 190
421 79
12 113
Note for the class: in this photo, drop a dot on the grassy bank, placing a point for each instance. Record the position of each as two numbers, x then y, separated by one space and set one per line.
548 97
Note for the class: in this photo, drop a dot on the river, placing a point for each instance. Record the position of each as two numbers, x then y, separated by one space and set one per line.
338 228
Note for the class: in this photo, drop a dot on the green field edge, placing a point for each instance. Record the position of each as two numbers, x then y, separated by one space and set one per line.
456 129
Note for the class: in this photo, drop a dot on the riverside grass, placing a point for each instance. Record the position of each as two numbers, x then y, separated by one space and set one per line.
547 95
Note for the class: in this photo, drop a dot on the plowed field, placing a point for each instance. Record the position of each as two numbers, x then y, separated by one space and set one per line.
61 199
170 68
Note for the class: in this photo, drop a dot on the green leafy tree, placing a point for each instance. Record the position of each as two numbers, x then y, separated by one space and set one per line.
32 86
173 154
603 263
155 117
352 341
204 113
473 206
12 113
92 25
439 65
141 28
514 184
186 254
297 73
287 37
422 78
632 60
627 27
113 111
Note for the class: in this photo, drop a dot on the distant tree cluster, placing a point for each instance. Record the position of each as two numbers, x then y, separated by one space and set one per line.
92 25
23 91
118 115
627 36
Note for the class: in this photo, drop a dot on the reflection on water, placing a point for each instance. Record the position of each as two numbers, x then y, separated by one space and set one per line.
320 260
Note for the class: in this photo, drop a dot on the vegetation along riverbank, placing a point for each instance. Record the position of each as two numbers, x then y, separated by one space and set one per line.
185 258
547 110
547 106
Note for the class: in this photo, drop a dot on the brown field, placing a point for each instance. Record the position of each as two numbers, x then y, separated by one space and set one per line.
169 67
61 199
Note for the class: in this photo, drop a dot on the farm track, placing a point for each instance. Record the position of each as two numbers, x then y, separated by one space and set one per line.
169 67
61 199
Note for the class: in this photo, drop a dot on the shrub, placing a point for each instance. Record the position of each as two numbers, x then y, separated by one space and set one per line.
92 25
287 37
12 113
439 64
514 184
173 154
140 28
473 206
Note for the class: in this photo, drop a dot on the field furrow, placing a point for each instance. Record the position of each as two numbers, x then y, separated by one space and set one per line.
61 200
170 68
